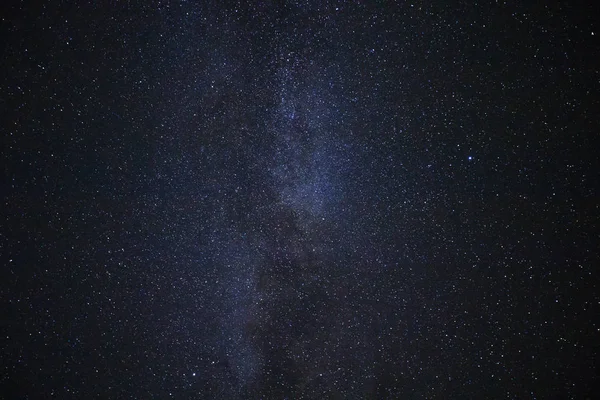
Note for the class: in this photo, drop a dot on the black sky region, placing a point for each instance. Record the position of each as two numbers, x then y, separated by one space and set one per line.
299 200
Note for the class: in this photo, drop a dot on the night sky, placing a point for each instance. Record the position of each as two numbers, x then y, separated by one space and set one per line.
301 200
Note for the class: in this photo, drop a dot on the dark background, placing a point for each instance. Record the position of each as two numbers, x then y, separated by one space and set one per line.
299 200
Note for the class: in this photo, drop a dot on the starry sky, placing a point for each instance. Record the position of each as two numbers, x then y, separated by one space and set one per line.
299 200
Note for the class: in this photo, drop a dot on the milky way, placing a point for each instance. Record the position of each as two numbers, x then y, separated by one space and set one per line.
299 200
